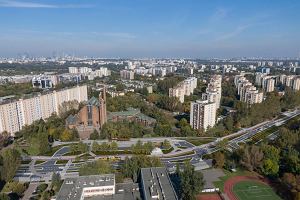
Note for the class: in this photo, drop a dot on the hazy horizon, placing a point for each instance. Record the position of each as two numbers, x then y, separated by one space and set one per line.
150 28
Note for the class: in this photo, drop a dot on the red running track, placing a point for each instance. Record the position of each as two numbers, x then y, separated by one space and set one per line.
228 186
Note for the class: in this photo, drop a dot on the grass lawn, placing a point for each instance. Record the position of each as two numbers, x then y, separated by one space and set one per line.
228 174
61 162
166 151
39 162
181 154
248 190
262 135
54 149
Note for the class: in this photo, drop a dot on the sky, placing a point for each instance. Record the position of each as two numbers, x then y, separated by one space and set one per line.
151 28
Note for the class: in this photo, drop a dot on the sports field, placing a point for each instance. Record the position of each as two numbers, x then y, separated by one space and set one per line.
248 190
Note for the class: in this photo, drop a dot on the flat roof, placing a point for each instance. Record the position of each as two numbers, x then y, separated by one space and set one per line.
72 188
156 182
124 191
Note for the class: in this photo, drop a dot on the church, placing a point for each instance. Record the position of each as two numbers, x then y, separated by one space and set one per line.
92 116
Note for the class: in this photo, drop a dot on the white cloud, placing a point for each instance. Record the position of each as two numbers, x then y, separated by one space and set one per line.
233 33
22 4
220 13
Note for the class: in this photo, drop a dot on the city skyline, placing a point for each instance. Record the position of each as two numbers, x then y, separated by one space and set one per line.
191 29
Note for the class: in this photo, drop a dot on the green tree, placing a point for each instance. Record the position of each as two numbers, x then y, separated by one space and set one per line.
66 135
94 168
56 182
271 160
191 182
166 144
11 160
219 159
114 146
94 135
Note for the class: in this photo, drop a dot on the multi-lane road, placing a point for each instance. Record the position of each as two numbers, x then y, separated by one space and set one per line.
184 150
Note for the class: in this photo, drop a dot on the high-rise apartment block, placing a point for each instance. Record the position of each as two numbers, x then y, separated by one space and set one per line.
268 84
185 87
202 114
214 90
16 114
127 74
247 92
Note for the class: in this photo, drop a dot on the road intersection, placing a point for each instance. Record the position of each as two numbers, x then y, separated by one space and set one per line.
183 151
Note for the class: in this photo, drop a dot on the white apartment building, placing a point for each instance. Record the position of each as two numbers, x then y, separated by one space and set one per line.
212 96
44 81
214 90
185 87
178 92
202 114
296 84
15 114
268 84
127 74
85 70
247 92
73 70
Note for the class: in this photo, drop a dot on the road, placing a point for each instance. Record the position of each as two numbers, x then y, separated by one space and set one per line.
192 153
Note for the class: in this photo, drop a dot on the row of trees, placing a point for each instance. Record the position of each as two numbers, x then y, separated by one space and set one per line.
132 166
39 135
278 159
187 182
123 130
113 146
140 148
250 115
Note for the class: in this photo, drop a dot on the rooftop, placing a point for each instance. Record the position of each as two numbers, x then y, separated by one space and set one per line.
130 112
72 187
157 184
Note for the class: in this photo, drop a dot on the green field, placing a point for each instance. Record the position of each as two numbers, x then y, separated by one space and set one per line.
248 190
228 175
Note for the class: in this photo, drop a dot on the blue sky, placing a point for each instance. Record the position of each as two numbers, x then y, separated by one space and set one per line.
151 28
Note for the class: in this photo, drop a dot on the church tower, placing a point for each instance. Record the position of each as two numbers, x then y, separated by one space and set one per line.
102 107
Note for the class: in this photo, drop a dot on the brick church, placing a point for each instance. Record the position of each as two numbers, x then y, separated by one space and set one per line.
91 117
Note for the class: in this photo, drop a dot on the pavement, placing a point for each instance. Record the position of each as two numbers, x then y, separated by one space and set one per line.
31 188
187 150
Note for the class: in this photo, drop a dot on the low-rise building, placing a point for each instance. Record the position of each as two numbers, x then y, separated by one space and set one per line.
156 184
132 114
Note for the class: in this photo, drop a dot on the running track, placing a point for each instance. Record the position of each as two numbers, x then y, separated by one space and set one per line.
228 186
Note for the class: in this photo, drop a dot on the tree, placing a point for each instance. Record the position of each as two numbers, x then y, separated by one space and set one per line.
271 160
94 168
252 157
222 144
114 146
56 182
94 135
289 179
66 135
219 160
11 160
191 182
132 166
4 196
166 144
95 146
